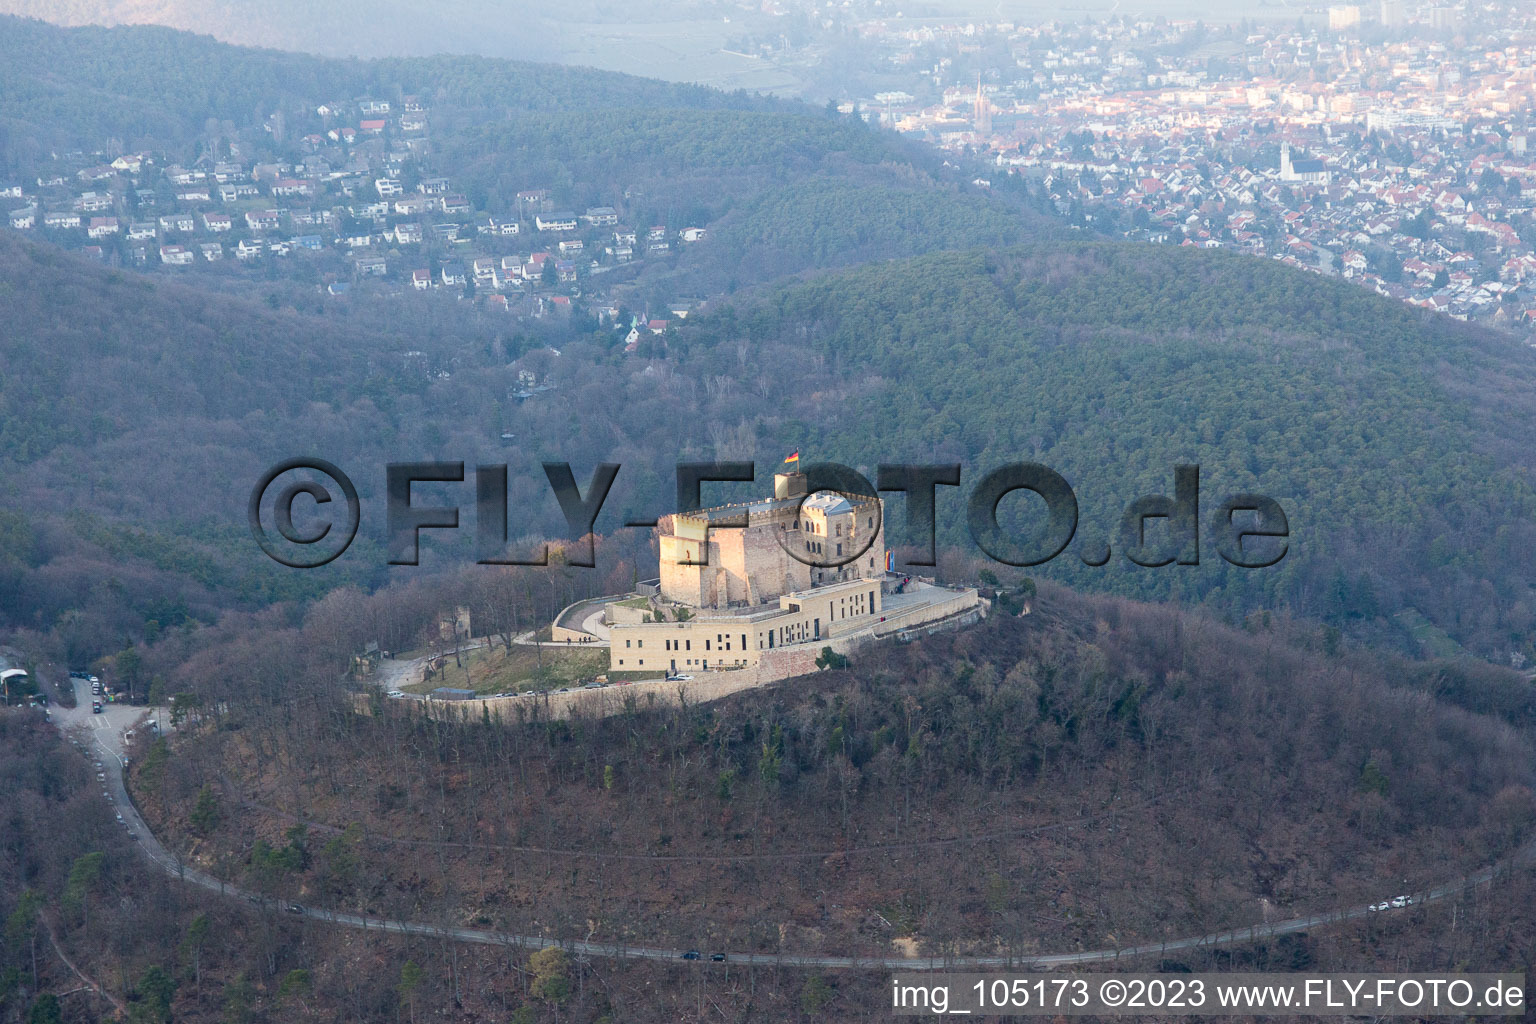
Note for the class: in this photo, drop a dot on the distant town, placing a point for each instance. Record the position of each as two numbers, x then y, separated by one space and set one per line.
1386 144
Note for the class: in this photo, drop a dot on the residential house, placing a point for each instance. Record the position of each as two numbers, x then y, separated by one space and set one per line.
261 220
212 251
484 269
371 266
61 220
176 256
217 222
288 187
25 218
555 222
601 216
100 227
421 280
138 231
182 222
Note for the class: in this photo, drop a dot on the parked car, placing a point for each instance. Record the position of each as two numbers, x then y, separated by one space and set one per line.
692 954
718 958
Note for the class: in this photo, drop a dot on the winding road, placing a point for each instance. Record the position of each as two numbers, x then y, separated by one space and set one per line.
103 737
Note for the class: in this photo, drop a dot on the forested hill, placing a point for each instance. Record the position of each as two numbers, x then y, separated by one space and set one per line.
789 187
1401 445
152 87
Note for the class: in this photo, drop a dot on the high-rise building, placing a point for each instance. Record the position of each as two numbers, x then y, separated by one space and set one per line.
1343 18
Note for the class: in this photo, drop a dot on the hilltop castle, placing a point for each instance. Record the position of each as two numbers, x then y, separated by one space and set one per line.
765 585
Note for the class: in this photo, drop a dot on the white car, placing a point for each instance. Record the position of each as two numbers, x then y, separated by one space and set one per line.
1402 901
1378 907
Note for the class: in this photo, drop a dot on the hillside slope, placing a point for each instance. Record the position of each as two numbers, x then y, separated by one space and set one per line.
1097 772
1402 446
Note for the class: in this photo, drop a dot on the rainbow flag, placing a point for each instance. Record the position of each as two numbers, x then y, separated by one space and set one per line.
794 457
890 561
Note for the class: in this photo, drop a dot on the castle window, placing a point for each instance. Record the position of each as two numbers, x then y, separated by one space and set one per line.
626 643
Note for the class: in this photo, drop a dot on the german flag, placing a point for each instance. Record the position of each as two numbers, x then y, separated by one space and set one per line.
793 457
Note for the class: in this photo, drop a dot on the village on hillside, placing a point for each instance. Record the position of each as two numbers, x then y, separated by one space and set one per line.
361 208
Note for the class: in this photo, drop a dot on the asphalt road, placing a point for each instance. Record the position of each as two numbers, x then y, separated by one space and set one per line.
102 737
